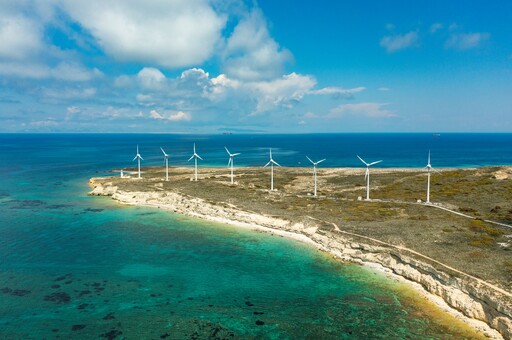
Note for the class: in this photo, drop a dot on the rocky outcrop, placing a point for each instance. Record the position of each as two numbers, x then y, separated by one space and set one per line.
472 297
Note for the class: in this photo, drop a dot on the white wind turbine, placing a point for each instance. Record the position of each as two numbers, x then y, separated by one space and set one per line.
138 157
166 158
314 169
195 156
271 162
429 167
230 162
367 175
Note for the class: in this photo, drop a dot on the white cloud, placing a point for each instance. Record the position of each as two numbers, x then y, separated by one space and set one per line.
63 71
173 117
155 114
338 92
466 41
393 43
179 116
68 93
373 110
281 92
73 72
251 53
151 78
19 37
436 27
168 33
73 109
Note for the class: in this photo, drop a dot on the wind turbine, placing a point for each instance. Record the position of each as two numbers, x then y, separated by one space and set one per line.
429 167
230 162
314 169
367 175
195 156
271 162
166 158
138 158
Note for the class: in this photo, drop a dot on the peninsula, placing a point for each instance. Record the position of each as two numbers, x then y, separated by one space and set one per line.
459 248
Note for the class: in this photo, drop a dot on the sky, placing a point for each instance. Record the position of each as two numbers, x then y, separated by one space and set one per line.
240 66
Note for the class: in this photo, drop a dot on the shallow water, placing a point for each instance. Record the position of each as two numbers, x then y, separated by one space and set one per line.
73 266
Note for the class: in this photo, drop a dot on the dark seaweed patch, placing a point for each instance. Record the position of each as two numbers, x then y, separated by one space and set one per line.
83 306
112 334
259 323
15 292
84 292
26 204
77 327
109 316
58 297
93 210
55 286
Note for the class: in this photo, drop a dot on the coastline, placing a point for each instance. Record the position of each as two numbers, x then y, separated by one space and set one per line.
476 304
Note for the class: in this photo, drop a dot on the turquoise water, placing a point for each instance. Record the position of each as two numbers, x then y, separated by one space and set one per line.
74 266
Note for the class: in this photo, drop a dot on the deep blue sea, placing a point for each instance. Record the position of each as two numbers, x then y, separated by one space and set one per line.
74 266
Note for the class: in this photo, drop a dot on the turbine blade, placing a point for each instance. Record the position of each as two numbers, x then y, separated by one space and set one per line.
199 157
141 158
134 158
320 161
235 154
273 161
362 160
374 162
229 153
309 159
435 170
270 153
266 165
163 151
194 148
428 157
190 158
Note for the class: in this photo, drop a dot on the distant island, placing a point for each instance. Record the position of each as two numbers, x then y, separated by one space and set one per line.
457 248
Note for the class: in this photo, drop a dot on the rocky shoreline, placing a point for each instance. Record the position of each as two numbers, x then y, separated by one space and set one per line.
482 305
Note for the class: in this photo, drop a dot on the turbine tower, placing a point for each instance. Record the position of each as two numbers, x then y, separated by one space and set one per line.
314 169
166 159
429 168
367 176
138 158
271 162
195 156
230 162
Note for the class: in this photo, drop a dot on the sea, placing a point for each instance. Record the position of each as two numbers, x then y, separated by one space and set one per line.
74 266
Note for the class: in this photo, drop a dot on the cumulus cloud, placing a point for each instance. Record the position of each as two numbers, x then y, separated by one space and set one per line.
373 110
466 41
281 92
151 78
393 43
171 116
251 53
178 33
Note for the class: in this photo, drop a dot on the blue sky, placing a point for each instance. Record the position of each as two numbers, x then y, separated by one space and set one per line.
198 66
